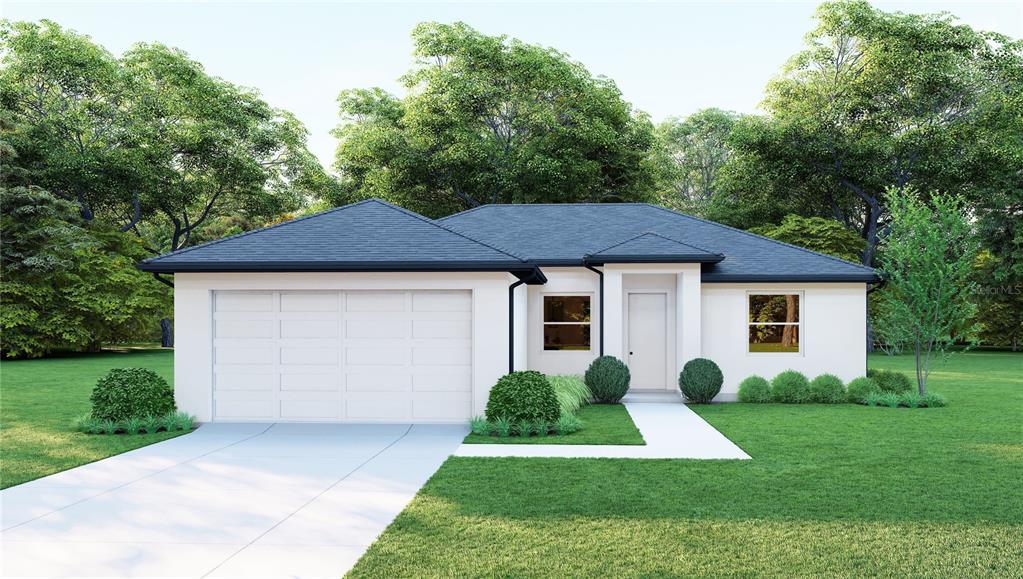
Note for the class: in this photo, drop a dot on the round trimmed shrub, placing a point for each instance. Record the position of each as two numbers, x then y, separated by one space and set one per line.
861 388
827 389
131 393
755 389
608 379
523 396
700 380
790 387
891 381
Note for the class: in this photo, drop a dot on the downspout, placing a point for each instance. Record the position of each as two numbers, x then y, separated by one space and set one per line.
162 279
600 274
511 324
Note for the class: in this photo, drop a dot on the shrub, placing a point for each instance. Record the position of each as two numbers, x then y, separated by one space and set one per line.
790 387
183 421
567 424
523 396
132 426
860 388
755 389
169 422
502 427
889 399
152 424
571 392
542 428
479 425
524 428
911 400
933 400
608 379
109 426
131 393
891 381
872 399
827 389
700 380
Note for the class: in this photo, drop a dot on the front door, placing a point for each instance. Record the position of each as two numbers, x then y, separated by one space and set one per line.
648 340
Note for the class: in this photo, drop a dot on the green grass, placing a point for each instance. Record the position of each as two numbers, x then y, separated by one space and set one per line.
832 490
39 399
602 424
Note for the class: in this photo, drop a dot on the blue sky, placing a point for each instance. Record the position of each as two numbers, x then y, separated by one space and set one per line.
669 59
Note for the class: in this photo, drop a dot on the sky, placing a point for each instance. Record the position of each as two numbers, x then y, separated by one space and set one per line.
667 58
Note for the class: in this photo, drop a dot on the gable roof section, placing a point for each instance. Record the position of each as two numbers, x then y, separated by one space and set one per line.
370 235
563 234
651 247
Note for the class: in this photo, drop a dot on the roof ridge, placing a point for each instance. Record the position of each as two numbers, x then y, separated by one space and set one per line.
252 231
661 235
655 234
433 222
723 226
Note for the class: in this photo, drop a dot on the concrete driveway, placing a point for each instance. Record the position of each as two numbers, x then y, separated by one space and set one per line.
240 500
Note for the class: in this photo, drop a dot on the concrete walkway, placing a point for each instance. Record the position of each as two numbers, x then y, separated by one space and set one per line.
241 500
671 430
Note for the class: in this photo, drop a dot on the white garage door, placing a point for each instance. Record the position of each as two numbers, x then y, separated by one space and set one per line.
342 356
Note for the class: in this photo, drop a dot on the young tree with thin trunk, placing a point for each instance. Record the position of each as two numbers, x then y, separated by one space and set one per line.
927 257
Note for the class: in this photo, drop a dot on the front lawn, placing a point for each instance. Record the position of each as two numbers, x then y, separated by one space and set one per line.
602 424
831 490
40 398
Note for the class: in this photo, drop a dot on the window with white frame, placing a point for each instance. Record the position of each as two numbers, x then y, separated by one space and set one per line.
566 322
774 322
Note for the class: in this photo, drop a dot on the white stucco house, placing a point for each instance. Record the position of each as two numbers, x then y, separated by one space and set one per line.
370 312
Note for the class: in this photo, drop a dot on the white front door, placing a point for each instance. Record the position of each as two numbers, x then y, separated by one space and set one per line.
648 340
342 356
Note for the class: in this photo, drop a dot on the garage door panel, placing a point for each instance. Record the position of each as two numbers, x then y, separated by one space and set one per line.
240 380
376 329
428 356
308 329
441 329
244 302
361 356
441 405
246 329
309 356
377 406
375 302
450 381
335 356
309 302
383 379
325 382
245 356
441 302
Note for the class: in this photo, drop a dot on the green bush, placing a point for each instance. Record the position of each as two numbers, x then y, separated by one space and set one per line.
571 392
608 379
860 388
827 389
567 424
131 393
933 400
149 425
502 427
790 387
911 400
523 396
891 381
755 389
524 428
700 380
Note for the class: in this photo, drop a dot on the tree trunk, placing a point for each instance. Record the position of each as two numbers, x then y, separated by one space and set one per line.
166 333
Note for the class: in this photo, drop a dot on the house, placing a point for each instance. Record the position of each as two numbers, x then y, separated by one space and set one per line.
370 312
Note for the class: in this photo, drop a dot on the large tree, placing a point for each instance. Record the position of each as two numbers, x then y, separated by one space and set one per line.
688 157
492 120
879 101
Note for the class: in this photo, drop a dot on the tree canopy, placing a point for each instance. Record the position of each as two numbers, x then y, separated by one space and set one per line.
491 120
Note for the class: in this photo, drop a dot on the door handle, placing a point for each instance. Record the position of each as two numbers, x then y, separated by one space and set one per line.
630 353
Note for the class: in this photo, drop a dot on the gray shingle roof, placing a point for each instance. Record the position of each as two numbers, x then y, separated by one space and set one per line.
370 235
564 234
650 247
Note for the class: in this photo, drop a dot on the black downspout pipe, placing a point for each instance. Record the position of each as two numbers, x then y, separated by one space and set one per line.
511 324
601 275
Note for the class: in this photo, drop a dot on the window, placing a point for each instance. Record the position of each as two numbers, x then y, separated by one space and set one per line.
566 322
774 323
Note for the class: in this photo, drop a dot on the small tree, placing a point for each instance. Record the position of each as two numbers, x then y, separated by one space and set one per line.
927 257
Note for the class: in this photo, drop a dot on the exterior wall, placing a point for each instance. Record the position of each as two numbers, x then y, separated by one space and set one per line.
193 364
563 281
833 332
521 322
